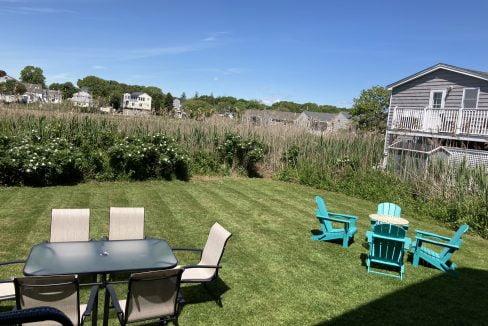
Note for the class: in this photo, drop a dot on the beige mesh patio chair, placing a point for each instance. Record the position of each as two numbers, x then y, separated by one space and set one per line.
70 225
7 288
61 292
152 295
210 256
126 223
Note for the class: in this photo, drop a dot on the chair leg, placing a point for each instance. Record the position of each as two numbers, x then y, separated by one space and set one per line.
415 262
345 242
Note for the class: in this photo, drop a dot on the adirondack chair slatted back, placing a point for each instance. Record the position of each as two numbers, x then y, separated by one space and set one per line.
391 249
455 240
322 211
389 209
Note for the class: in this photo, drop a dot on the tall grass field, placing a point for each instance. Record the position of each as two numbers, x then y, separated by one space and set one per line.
112 147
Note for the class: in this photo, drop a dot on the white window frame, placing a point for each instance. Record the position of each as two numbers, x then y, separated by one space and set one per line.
431 97
477 98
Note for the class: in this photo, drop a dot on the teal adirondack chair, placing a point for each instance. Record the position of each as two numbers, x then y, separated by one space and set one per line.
387 246
440 260
328 231
388 209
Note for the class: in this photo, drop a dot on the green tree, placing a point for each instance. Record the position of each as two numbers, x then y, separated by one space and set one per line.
197 108
9 87
32 75
168 102
19 88
183 97
369 111
68 89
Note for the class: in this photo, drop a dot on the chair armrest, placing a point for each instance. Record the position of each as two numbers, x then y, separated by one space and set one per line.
7 280
344 215
369 236
91 301
201 266
30 315
188 249
442 244
9 262
115 300
433 235
407 244
334 219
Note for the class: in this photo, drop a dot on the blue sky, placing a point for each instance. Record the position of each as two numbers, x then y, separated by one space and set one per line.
319 51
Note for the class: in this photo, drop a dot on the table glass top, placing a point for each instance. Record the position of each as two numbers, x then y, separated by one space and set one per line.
89 257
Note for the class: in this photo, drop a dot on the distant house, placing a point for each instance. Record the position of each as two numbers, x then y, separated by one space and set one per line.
136 103
4 77
82 99
52 96
33 93
178 110
320 121
268 117
439 112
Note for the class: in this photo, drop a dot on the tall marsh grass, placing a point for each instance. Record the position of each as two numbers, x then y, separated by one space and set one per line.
348 163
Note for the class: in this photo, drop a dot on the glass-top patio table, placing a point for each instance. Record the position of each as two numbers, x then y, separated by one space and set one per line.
99 257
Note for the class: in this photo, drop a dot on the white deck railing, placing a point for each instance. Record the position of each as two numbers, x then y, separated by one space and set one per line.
451 120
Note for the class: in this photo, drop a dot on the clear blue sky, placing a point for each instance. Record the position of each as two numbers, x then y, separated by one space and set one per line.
320 51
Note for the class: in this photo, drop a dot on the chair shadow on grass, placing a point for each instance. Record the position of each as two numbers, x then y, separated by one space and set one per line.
443 299
194 293
338 241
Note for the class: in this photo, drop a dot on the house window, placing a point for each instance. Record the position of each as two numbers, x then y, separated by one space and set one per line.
437 99
470 98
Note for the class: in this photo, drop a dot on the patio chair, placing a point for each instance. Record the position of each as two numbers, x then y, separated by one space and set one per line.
126 223
34 315
7 288
440 260
152 295
70 225
388 209
346 232
61 292
387 246
207 269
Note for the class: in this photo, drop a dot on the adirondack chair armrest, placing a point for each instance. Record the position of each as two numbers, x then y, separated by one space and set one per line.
9 262
352 217
334 219
369 236
433 235
407 244
442 244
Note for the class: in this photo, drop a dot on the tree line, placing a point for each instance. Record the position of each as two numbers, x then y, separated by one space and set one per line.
369 110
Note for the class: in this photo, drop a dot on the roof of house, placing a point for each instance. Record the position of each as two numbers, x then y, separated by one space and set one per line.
33 88
320 116
469 72
278 115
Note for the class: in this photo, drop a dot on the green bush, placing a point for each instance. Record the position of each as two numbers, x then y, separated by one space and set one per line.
238 152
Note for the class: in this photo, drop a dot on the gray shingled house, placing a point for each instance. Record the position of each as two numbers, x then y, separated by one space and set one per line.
268 117
320 121
441 111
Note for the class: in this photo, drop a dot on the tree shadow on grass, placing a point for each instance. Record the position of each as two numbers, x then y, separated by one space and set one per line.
441 300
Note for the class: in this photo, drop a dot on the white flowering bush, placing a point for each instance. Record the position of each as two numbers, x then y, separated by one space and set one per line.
154 156
32 161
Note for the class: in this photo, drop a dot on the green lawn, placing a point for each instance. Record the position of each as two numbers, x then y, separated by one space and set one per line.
273 273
